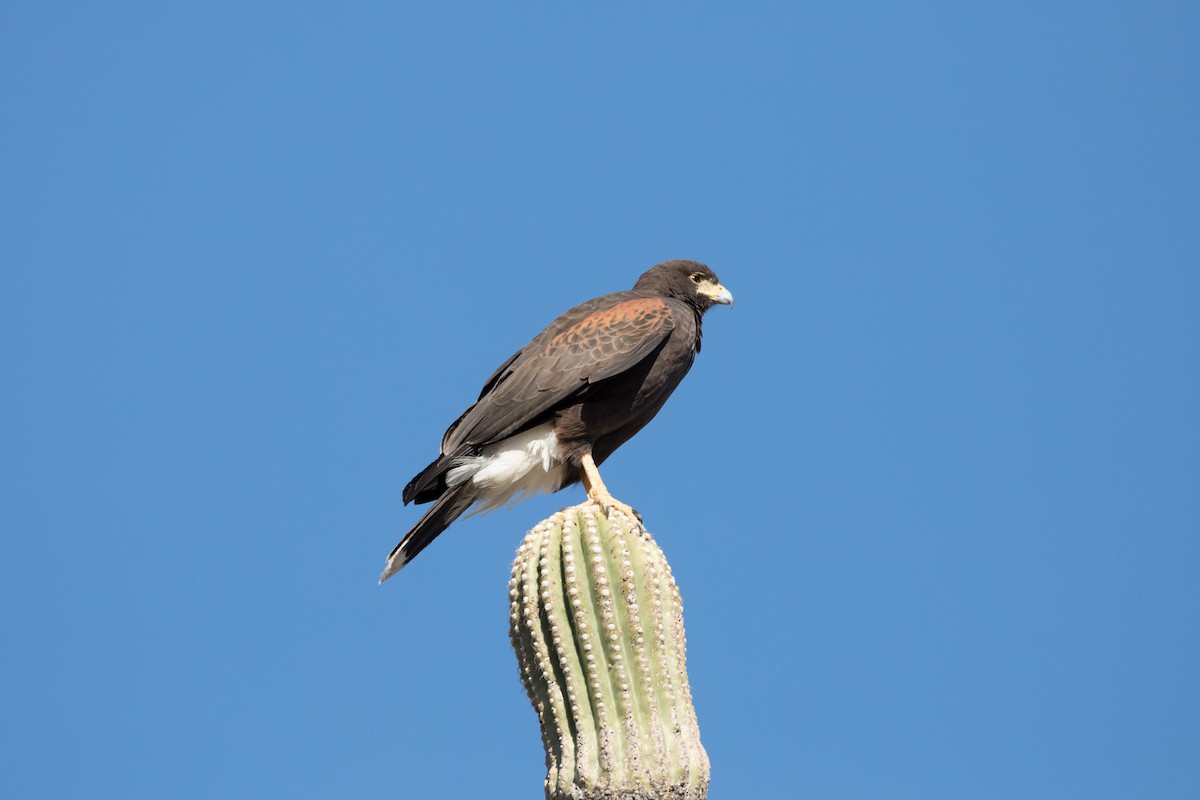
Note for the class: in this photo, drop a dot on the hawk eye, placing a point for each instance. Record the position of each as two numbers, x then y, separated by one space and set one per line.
696 277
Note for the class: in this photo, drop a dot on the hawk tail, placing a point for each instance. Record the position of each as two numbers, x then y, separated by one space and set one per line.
448 508
430 483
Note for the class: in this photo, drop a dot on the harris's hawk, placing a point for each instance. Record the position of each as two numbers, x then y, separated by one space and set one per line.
564 402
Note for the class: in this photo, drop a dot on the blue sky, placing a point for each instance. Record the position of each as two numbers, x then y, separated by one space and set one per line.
931 490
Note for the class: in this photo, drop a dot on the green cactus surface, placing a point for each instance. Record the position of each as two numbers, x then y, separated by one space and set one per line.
597 625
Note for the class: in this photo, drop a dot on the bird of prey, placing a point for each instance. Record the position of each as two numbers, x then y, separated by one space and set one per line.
564 402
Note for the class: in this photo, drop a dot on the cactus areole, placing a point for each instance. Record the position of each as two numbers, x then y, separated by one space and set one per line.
597 625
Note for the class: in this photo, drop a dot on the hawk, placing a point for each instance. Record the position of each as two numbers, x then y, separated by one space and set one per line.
563 403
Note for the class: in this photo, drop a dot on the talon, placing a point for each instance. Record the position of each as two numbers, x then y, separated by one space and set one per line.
629 511
610 504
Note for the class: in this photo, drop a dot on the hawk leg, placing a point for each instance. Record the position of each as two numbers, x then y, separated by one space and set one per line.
598 493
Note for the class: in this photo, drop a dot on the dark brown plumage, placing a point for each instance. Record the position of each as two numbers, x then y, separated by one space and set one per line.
564 402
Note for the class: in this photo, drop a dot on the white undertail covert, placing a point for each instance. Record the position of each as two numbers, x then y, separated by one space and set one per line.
513 469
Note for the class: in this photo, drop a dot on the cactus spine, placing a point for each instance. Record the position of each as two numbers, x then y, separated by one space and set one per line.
597 624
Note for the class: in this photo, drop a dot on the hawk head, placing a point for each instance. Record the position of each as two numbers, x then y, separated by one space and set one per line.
690 281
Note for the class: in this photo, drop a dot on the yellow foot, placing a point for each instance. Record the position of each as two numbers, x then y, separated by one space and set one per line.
610 503
597 492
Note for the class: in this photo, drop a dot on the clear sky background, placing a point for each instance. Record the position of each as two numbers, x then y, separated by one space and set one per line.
932 490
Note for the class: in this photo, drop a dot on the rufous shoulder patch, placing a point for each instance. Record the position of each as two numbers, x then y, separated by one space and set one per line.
644 313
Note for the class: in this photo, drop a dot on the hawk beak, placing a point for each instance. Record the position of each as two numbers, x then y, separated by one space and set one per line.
717 292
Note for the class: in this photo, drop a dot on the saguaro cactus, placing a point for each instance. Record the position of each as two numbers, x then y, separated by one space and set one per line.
597 625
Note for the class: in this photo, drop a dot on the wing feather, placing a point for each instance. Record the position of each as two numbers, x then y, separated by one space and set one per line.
586 345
